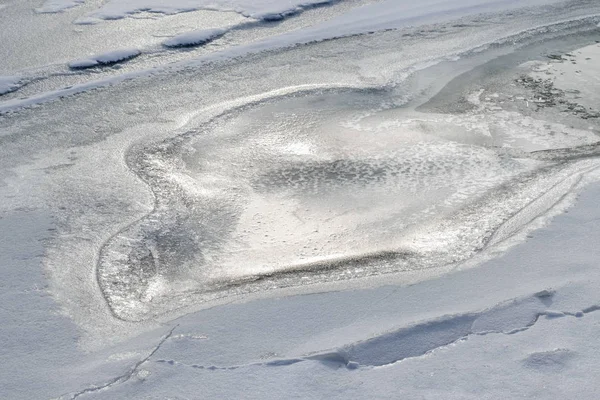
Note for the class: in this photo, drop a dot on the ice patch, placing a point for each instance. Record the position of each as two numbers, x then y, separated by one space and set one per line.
112 57
9 84
319 190
195 38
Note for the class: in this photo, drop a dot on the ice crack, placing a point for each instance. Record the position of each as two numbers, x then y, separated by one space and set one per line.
422 339
126 376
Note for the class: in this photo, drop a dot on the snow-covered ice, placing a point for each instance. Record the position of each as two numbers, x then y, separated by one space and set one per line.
257 9
194 38
109 58
53 6
9 84
364 200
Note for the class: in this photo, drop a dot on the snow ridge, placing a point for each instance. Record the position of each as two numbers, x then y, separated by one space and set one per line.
195 38
265 10
110 58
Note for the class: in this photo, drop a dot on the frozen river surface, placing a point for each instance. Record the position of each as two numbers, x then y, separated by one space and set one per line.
162 161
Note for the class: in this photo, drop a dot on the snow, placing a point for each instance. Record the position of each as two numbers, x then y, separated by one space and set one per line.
54 6
519 326
194 38
262 168
9 84
338 27
257 9
109 58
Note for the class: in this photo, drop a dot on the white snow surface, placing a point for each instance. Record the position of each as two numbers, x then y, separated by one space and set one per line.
9 84
195 37
54 6
258 9
522 324
108 58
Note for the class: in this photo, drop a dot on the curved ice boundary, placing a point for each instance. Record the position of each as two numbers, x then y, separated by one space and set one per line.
294 190
195 38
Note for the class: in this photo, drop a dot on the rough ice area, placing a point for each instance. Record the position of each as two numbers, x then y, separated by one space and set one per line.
574 74
194 38
9 84
53 6
263 192
109 58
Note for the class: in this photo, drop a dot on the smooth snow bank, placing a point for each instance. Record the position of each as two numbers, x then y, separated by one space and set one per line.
259 9
9 84
195 38
54 6
112 57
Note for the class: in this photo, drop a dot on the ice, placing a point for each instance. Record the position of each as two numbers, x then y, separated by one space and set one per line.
572 75
109 58
266 194
410 213
9 84
194 38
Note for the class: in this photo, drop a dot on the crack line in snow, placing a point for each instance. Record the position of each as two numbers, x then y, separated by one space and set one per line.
126 376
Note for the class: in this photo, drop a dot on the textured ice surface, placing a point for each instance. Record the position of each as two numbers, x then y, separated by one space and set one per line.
329 187
138 206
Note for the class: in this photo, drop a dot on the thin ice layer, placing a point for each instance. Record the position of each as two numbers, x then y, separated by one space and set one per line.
298 187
